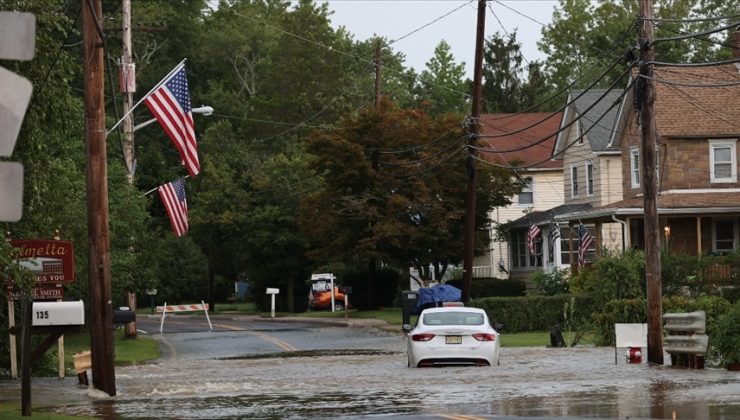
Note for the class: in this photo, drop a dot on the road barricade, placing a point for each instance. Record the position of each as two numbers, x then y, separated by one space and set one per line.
195 307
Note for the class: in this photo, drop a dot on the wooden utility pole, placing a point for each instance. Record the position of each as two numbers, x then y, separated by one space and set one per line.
128 87
99 275
646 100
469 244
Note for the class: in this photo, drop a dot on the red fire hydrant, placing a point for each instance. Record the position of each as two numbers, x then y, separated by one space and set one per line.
634 355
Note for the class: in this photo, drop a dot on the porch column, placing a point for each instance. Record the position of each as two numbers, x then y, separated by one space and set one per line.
599 236
698 236
573 265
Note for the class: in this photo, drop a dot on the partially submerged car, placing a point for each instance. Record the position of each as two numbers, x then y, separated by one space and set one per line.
452 335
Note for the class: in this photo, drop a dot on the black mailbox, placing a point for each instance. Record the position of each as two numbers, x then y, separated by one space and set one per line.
347 290
409 299
123 316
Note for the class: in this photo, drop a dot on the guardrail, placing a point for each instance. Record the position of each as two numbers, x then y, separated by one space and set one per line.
687 341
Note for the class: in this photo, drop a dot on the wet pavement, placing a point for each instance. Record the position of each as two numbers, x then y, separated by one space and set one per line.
336 372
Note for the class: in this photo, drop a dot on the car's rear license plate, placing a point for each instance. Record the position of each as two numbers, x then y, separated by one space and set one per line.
453 339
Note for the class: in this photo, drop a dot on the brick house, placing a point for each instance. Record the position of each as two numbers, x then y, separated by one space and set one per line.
544 189
697 116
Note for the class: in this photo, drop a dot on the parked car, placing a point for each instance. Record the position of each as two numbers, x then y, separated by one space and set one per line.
452 335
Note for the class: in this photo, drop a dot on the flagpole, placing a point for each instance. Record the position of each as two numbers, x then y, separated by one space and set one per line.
164 79
155 189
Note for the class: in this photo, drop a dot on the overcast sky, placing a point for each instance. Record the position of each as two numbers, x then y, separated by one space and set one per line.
394 19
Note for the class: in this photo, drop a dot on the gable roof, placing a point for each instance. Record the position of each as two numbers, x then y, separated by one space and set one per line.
698 110
534 145
546 216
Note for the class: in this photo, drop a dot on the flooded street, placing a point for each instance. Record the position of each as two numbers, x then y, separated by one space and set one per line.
366 375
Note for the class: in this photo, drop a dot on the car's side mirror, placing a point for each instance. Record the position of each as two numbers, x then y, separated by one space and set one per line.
407 328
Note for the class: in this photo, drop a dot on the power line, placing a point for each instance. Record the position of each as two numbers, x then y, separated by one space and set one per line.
564 127
426 158
696 34
687 84
428 24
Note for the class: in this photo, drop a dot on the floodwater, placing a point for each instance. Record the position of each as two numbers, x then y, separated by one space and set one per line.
374 381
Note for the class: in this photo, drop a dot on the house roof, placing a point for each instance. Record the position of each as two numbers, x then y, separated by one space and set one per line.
536 142
600 131
714 202
545 216
697 110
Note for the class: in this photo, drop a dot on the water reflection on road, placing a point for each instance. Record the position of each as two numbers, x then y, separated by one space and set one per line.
375 381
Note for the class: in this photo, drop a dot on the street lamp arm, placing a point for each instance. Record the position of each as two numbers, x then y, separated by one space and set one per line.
205 110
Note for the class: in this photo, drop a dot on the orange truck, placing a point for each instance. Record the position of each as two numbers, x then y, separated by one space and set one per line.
319 296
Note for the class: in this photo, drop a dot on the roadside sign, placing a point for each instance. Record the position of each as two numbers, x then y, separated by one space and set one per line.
11 190
39 293
51 261
16 94
17 35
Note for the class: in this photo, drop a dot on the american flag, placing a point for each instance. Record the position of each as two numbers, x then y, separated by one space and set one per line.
170 105
554 236
173 198
585 241
531 235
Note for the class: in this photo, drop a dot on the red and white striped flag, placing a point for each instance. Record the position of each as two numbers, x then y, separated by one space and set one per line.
170 105
534 230
173 198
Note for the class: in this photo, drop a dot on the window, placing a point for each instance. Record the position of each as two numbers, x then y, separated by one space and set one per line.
725 235
574 181
579 136
527 194
635 166
520 257
589 179
722 160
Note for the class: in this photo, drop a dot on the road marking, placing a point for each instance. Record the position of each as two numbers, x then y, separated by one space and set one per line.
460 417
276 341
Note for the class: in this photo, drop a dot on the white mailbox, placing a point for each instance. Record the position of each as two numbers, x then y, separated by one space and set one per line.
272 291
58 313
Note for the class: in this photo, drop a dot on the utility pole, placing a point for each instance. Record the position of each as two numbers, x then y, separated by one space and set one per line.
646 101
128 87
101 310
469 244
375 162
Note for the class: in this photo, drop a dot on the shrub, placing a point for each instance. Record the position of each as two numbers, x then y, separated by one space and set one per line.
617 311
614 276
536 312
553 283
725 338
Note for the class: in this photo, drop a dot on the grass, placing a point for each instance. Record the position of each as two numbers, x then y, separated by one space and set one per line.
127 351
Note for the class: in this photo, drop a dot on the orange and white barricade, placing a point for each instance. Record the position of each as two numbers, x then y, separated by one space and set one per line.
202 306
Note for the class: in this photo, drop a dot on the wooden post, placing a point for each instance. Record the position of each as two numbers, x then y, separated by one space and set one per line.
469 241
99 274
646 99
12 341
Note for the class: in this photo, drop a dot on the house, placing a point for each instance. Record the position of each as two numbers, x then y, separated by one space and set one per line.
592 177
525 140
697 115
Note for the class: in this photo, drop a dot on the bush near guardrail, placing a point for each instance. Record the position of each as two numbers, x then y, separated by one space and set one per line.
633 311
536 312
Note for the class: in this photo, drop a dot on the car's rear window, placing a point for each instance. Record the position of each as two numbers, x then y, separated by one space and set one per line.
453 318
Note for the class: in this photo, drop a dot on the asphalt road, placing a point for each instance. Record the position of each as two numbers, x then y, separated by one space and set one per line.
297 368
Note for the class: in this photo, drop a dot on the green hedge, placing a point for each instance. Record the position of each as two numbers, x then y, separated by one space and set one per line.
634 311
488 286
535 312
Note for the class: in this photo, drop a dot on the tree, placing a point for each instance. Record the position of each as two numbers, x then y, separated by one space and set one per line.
442 87
388 197
585 37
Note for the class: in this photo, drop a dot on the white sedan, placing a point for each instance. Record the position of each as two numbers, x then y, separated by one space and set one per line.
452 335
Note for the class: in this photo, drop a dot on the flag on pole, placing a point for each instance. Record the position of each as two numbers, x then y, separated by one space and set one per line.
170 105
554 236
585 240
173 198
531 235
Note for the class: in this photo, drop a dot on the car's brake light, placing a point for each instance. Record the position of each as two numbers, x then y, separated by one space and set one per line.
484 336
422 337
